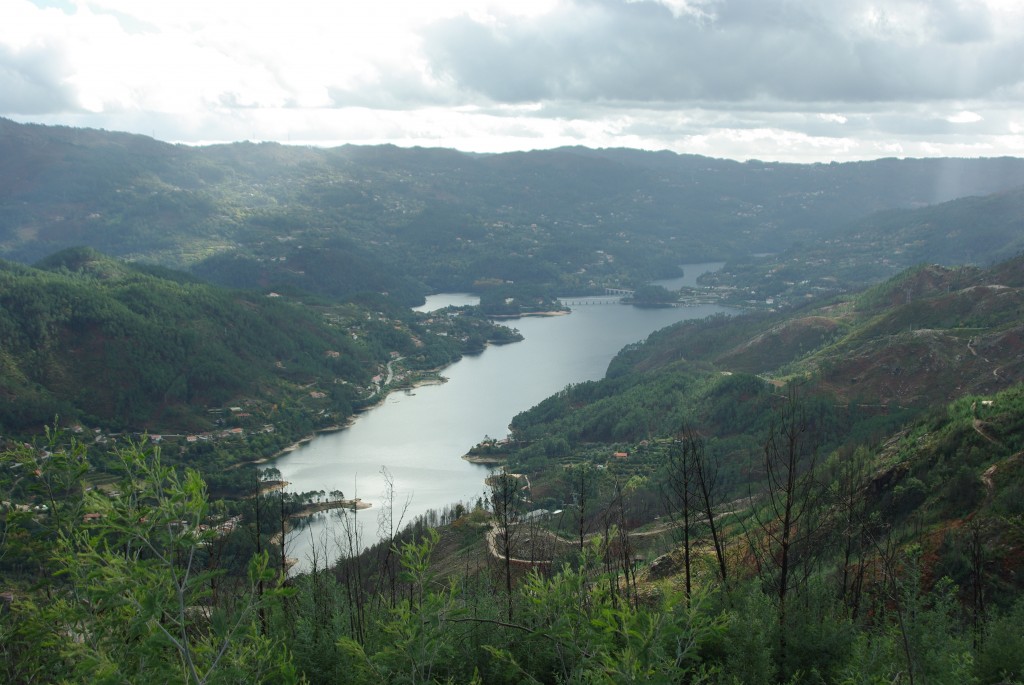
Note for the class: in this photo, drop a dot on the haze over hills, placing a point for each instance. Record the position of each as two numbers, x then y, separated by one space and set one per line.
349 222
411 221
353 223
822 484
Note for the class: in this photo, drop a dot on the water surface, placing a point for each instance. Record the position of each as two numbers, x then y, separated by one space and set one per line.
420 436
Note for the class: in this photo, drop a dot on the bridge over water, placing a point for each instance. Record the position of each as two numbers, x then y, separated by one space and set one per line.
580 301
611 296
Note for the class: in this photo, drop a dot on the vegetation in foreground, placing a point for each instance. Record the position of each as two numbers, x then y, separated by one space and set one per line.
680 523
840 568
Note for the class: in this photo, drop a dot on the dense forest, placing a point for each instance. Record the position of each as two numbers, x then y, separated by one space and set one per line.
886 563
140 349
411 221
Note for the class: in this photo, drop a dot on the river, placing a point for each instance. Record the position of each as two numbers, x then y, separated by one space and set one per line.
420 436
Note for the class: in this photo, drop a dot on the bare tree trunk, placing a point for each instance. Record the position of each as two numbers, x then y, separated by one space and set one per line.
387 530
707 483
977 549
791 496
259 550
506 502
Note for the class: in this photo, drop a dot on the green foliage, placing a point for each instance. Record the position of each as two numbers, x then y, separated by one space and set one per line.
746 647
1001 657
45 482
137 597
92 339
144 596
653 295
819 636
133 595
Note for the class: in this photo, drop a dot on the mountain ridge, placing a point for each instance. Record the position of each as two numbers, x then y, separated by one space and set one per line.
572 220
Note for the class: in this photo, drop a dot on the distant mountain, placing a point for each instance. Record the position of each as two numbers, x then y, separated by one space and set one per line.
407 221
973 230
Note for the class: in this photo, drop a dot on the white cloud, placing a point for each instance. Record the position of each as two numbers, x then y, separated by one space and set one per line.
964 117
739 78
834 118
701 9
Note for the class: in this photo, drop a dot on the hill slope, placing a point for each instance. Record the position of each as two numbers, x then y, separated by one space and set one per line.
407 221
101 341
925 338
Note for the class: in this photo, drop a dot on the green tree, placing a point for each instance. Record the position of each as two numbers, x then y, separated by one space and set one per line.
140 595
653 295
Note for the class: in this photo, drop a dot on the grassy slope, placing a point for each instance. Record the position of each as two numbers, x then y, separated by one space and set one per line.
926 371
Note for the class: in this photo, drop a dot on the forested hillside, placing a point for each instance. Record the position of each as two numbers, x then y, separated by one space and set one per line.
409 221
107 344
896 560
930 335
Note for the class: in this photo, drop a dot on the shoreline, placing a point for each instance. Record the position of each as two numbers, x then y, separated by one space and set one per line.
273 486
484 459
381 397
433 377
526 314
310 509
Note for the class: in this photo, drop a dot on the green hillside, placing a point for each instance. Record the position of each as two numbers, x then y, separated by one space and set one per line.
409 221
127 347
895 558
924 338
863 366
828 488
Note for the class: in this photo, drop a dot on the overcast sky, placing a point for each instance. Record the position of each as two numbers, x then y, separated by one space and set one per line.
791 80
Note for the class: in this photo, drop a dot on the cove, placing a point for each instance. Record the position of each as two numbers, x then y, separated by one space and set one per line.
420 436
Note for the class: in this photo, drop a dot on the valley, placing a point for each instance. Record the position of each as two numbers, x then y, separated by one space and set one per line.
802 465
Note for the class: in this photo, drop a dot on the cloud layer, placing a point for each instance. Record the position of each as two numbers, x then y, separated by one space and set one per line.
772 79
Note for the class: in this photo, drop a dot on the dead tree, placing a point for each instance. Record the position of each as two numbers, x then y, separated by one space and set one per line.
388 527
678 492
584 482
691 490
708 491
850 485
507 505
790 499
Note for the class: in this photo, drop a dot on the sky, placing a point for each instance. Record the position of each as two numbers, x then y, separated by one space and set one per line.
776 80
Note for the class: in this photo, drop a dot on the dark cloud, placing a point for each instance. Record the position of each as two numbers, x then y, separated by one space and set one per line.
749 49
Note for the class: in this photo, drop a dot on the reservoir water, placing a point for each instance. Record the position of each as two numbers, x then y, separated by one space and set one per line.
435 302
420 436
